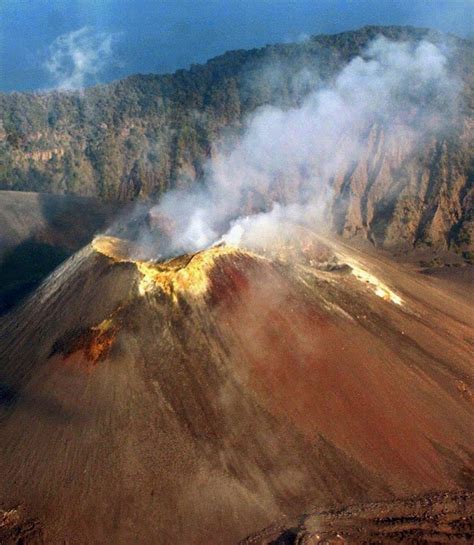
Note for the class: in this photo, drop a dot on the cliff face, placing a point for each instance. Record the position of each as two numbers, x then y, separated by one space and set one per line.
405 194
138 137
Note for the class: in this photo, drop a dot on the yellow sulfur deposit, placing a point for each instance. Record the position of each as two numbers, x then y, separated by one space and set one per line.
187 273
378 287
173 277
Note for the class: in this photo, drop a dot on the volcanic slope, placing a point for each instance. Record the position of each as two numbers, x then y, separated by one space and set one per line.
39 231
197 400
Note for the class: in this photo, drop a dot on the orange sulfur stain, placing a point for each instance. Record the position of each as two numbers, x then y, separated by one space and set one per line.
88 346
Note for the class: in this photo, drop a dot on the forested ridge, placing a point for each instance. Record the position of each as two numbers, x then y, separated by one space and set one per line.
137 137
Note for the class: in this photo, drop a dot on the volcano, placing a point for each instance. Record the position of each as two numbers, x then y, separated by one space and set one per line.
198 399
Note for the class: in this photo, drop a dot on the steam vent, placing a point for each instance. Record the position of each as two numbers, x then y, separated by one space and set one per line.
197 400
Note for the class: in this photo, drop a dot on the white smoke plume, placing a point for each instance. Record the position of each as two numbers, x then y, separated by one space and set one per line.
77 58
283 163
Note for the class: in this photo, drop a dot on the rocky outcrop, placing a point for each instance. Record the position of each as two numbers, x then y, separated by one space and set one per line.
45 155
437 518
403 194
16 528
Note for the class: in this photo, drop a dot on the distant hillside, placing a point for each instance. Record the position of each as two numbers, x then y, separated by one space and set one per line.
138 137
38 232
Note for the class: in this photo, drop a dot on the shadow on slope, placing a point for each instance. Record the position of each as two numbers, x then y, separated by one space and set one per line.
38 232
24 267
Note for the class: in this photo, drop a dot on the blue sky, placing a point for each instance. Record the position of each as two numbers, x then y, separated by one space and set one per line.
143 36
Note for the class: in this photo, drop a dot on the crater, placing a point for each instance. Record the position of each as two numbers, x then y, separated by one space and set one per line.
185 273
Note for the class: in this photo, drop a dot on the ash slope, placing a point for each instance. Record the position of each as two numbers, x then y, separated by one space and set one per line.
198 400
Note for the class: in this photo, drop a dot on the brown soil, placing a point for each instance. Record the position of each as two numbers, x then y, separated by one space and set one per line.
237 389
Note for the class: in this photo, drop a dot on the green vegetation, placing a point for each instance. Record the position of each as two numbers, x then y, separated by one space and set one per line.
139 136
